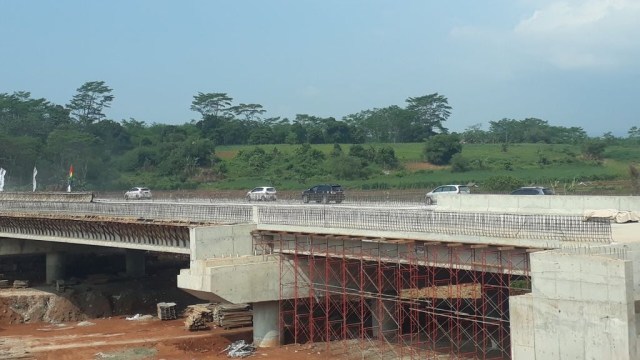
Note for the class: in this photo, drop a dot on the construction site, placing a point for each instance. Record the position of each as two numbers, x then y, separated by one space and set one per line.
399 298
372 281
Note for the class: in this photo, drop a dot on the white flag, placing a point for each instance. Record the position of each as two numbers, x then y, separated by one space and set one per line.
35 172
2 172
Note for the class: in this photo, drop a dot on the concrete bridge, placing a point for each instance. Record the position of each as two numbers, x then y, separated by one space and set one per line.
417 280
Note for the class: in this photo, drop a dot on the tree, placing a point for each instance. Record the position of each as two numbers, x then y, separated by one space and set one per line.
210 103
89 102
430 111
440 148
249 111
475 135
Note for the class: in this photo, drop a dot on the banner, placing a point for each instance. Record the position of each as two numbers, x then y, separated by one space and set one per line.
35 172
2 172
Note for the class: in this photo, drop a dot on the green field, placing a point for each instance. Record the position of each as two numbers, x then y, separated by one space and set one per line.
555 165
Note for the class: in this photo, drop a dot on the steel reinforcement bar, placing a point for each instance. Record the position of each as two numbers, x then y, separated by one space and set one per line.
213 213
515 226
544 227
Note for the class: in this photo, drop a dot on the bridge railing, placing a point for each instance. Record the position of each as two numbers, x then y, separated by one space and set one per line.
517 226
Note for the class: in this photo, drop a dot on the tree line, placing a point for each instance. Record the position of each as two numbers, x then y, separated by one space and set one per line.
111 154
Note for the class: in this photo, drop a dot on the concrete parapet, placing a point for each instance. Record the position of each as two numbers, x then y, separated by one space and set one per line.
47 196
548 205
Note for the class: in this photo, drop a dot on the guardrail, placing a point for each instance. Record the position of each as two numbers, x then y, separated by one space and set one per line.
410 219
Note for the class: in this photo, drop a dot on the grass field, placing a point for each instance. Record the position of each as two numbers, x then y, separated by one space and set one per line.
555 165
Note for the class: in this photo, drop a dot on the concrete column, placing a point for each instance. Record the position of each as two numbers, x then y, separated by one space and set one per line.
54 266
384 322
266 324
135 263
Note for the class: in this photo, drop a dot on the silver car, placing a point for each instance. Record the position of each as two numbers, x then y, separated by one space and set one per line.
431 196
138 193
262 193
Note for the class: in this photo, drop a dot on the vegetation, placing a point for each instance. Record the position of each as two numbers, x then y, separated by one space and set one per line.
233 147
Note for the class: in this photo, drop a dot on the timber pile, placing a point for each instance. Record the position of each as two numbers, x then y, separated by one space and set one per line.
198 316
230 316
458 291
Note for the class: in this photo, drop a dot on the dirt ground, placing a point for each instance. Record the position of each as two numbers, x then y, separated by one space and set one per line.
122 339
43 324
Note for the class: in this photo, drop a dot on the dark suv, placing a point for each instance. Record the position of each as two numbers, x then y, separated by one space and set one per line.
323 193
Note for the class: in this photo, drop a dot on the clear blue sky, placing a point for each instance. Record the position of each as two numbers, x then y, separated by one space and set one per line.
571 63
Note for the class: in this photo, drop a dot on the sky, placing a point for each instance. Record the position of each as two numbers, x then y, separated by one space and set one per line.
568 62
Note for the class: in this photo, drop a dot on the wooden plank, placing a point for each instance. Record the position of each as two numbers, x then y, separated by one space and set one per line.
466 291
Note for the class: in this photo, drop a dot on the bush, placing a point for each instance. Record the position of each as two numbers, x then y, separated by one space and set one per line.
593 149
440 148
459 163
502 183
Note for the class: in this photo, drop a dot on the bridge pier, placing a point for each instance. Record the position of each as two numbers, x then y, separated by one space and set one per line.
266 324
55 263
135 263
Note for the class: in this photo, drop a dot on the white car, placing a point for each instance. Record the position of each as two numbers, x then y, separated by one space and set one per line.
138 193
263 193
431 196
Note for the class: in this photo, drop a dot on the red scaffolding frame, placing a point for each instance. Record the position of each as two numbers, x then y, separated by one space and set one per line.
396 298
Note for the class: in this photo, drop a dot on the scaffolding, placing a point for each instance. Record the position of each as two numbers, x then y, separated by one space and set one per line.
378 298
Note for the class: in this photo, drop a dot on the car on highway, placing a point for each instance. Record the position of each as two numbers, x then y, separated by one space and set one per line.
533 190
262 193
432 196
138 193
324 193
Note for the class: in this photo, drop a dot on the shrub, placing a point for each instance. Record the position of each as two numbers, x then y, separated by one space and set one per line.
502 183
459 163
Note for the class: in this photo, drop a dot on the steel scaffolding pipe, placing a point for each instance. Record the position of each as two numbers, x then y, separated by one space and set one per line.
396 298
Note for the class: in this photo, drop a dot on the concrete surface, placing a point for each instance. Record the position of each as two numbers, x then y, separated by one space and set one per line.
581 307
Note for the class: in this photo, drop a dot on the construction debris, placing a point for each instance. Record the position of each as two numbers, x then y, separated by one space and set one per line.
166 311
239 349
